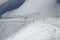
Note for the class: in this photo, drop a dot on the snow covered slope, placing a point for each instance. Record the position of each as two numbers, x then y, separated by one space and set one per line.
8 27
44 11
37 31
46 7
12 25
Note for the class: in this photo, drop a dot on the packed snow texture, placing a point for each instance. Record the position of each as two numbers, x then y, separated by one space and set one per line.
37 31
22 21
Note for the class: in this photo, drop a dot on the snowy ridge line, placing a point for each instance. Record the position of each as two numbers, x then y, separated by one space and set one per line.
22 17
